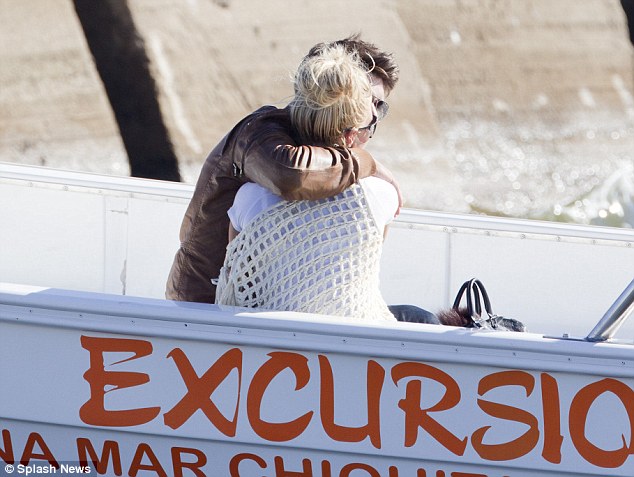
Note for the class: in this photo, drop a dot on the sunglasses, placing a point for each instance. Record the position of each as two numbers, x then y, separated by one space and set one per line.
381 108
367 132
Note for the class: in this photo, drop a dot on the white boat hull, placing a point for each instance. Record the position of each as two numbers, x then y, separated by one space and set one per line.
98 372
118 235
156 387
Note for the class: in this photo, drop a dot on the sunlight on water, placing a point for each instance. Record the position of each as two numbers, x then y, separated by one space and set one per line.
571 174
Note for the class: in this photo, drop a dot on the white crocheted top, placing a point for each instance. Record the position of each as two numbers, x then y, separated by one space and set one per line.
309 256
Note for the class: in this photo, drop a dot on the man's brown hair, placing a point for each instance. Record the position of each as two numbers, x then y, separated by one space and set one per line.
377 61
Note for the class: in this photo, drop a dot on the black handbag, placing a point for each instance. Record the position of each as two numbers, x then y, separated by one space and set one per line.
471 316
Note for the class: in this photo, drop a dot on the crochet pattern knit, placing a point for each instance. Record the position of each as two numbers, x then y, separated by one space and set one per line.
309 256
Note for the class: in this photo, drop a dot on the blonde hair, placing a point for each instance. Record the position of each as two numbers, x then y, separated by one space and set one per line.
332 91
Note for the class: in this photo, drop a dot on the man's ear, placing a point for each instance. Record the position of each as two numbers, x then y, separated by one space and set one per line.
349 135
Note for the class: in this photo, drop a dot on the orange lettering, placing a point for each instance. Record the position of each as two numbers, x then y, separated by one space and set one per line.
179 465
200 389
237 459
416 417
523 444
579 409
393 472
278 362
7 451
552 419
154 465
110 449
349 468
280 471
326 469
93 412
376 376
46 454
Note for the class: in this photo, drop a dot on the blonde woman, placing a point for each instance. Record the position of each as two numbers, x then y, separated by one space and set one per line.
316 256
262 148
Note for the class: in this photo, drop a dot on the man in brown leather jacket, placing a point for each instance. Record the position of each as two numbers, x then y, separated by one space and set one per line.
262 148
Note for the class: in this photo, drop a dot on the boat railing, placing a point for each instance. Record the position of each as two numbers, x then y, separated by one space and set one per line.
617 314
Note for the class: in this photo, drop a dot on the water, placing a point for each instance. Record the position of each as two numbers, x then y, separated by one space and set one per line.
575 172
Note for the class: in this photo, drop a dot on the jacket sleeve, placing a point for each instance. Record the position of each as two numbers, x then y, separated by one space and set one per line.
266 153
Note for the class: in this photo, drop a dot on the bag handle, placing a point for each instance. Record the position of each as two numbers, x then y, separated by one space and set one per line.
474 289
476 295
461 292
479 287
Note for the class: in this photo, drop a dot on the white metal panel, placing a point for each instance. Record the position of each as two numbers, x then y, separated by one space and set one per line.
51 237
414 267
554 286
152 242
12 172
116 244
534 275
88 232
119 235
453 222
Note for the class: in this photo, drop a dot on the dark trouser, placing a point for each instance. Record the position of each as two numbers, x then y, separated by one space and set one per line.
413 314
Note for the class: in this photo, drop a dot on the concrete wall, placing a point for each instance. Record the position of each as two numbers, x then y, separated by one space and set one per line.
53 109
482 80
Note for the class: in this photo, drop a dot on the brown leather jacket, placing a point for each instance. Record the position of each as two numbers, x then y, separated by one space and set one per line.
261 149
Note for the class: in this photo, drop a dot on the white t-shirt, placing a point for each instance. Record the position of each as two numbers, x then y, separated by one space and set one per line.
252 199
